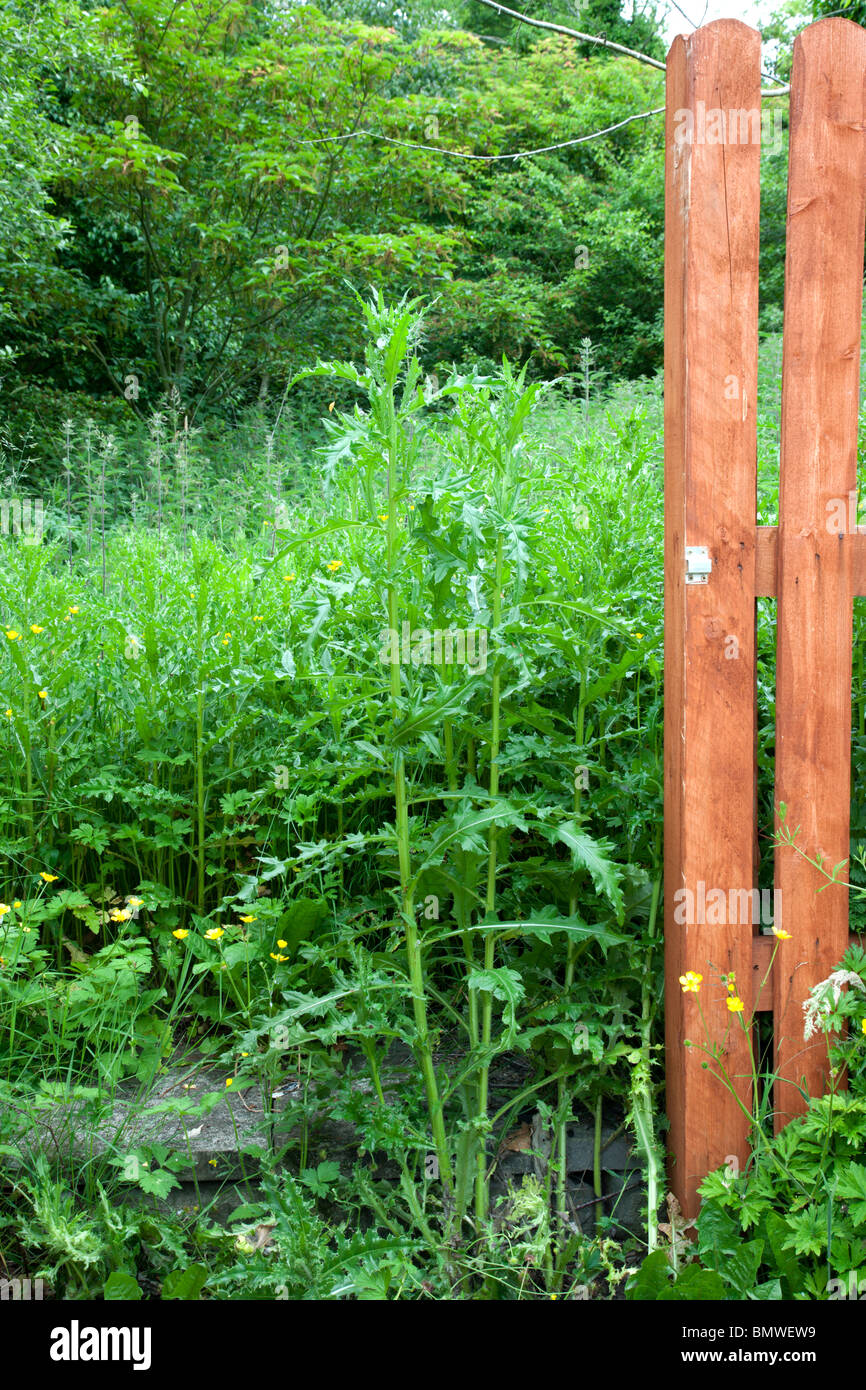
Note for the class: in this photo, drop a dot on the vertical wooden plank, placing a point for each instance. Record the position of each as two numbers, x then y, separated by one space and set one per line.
820 376
711 315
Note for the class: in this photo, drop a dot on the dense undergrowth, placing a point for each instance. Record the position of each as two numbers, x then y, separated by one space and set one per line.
323 754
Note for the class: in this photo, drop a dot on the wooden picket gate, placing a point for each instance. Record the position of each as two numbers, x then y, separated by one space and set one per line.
812 568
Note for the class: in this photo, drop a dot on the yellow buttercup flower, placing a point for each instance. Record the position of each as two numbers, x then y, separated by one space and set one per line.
4 908
287 578
729 981
34 627
181 933
135 902
230 1081
248 919
17 902
383 516
275 957
43 694
257 618
8 714
782 935
214 934
863 1025
333 565
282 944
117 914
13 635
735 1005
48 878
691 982
74 608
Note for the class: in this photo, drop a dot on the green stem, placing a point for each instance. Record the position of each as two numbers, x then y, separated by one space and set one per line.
481 1189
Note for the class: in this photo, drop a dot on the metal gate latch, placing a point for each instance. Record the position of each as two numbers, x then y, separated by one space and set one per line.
698 564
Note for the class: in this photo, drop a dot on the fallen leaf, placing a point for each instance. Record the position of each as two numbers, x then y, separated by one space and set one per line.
518 1141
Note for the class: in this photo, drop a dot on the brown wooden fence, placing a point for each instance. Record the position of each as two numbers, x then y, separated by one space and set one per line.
718 561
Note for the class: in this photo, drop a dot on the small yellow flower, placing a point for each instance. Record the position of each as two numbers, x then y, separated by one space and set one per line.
17 902
638 635
279 958
248 919
691 982
117 914
245 1054
34 627
383 516
4 908
43 694
8 714
180 933
257 618
863 1025
214 934
730 982
230 1081
135 902
74 608
333 565
287 578
782 935
212 1161
282 944
13 635
734 1004
47 878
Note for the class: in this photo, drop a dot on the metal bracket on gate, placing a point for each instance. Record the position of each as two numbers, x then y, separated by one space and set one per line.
699 565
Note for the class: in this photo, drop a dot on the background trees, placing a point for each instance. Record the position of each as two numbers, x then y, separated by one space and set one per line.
178 219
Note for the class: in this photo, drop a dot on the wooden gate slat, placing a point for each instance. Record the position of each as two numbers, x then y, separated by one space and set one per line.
711 315
820 379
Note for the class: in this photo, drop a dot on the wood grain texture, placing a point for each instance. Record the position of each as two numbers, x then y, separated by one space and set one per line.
711 310
766 561
820 376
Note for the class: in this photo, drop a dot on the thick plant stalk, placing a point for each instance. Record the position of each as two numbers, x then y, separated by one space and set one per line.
642 1096
410 926
481 1192
199 793
562 1088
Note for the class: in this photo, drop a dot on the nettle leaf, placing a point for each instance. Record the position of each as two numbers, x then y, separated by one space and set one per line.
545 924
